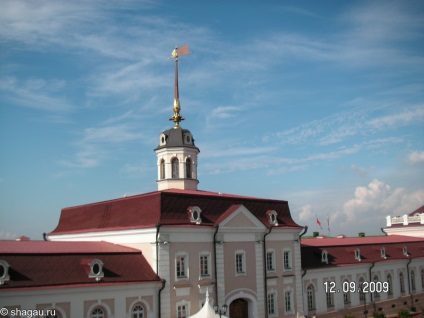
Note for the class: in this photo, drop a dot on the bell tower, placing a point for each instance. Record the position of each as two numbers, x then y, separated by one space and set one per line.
176 152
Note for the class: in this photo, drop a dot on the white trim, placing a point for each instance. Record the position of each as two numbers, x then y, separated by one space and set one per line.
186 266
274 293
144 303
256 224
183 303
245 294
209 275
273 265
243 263
290 260
99 303
288 289
115 236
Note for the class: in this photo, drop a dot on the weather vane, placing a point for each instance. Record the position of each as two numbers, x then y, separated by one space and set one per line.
176 53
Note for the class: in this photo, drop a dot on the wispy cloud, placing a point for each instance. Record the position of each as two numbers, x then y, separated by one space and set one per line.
341 126
404 117
416 157
5 235
96 145
36 93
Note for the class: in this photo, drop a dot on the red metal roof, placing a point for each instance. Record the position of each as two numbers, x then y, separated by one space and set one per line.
341 251
167 207
324 242
35 264
417 211
51 247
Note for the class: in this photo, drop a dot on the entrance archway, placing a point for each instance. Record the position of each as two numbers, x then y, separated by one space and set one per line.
239 308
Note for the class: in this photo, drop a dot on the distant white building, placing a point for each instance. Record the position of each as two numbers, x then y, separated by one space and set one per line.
411 224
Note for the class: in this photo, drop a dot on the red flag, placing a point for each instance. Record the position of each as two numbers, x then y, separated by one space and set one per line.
183 50
319 223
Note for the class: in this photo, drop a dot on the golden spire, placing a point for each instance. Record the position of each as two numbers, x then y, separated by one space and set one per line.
177 52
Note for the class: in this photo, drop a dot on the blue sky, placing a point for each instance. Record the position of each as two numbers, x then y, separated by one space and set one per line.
320 103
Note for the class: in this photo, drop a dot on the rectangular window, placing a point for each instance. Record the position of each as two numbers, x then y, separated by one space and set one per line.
182 311
329 297
204 265
181 266
240 263
287 301
270 261
271 304
287 260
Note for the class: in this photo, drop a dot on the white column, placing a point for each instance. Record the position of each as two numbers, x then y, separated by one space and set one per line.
260 288
220 273
164 265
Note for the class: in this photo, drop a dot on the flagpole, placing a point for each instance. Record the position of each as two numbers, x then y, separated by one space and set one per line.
328 225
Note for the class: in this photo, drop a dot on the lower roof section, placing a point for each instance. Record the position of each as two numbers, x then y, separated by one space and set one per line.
29 264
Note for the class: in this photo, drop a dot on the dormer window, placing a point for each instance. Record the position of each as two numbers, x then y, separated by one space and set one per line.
162 140
272 217
324 256
4 272
194 213
405 251
358 254
188 139
383 253
94 268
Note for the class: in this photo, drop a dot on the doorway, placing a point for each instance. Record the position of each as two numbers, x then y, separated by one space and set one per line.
239 308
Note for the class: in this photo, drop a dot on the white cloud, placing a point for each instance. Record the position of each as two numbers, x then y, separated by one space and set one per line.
225 112
402 118
416 157
306 214
96 145
359 170
4 235
371 204
35 93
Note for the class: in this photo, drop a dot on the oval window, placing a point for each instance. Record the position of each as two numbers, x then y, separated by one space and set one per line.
195 215
96 269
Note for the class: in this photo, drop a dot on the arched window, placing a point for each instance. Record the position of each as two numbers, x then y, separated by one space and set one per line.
189 173
390 284
330 299
361 293
422 278
98 313
346 296
162 169
137 311
175 168
412 280
401 282
310 293
376 294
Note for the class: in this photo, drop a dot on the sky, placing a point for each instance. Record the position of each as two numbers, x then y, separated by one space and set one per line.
320 103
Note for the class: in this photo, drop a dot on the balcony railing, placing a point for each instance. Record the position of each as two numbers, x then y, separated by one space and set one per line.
405 219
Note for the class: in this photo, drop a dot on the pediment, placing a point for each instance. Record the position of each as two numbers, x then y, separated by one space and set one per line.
239 217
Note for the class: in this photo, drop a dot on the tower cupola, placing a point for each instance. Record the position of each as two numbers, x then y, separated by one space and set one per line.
176 152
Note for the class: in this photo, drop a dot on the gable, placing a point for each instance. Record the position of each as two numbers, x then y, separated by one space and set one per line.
238 216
